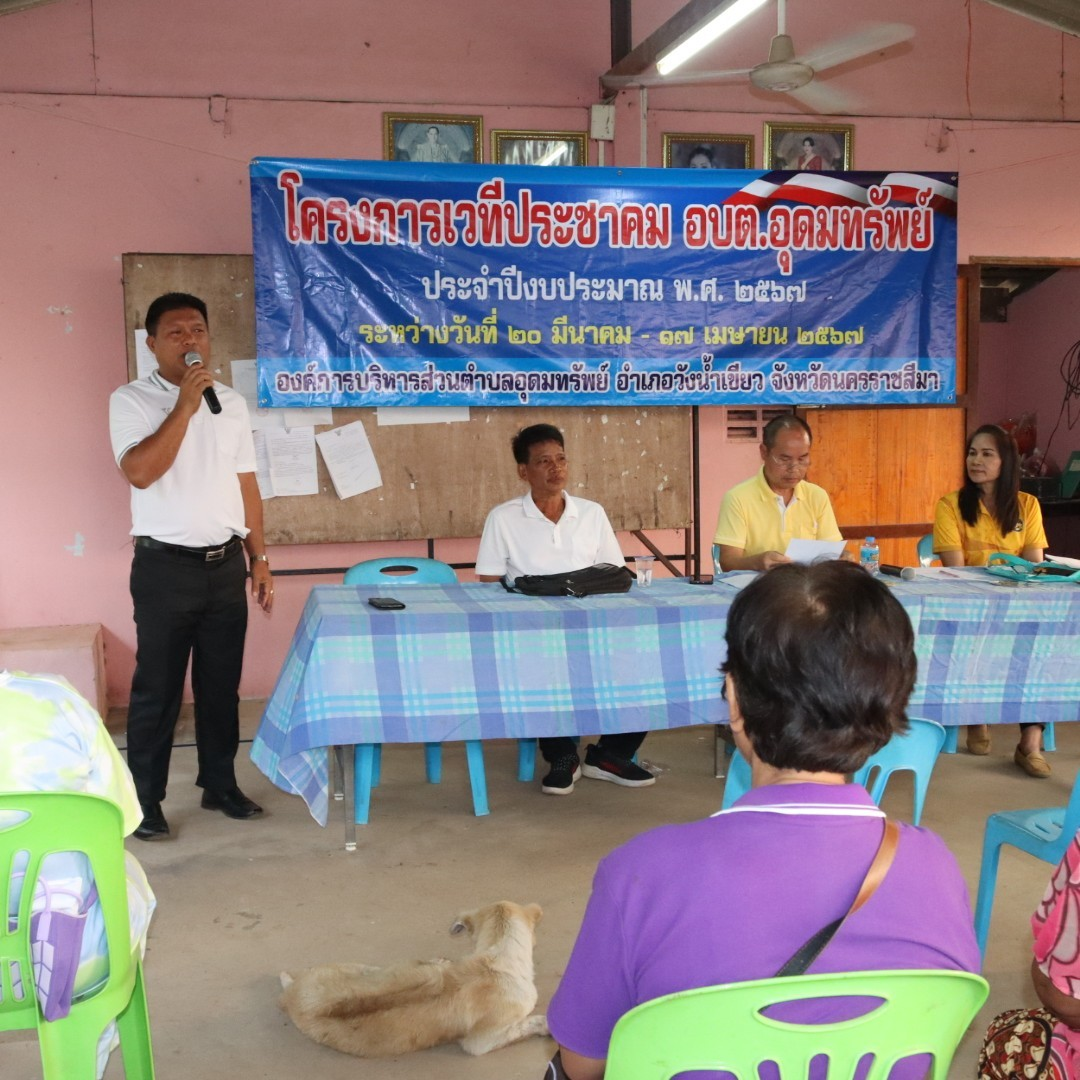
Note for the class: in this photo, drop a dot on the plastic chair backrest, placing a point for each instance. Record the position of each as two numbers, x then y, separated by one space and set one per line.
722 1027
915 751
1048 842
925 549
79 822
403 570
737 782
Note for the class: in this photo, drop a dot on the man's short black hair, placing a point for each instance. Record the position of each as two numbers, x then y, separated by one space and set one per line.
822 658
529 437
784 423
172 301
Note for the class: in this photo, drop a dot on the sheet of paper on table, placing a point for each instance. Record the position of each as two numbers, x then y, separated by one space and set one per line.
807 551
737 579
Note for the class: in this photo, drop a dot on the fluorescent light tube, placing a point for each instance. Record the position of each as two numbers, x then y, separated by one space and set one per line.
706 34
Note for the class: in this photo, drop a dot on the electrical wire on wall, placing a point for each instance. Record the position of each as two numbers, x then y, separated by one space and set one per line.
1070 374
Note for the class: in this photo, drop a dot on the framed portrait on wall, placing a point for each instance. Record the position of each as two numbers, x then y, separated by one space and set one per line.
708 151
539 148
446 140
809 147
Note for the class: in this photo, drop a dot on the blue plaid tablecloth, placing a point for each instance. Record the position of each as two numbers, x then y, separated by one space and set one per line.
473 661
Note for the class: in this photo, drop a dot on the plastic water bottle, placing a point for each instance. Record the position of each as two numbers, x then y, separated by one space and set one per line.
870 556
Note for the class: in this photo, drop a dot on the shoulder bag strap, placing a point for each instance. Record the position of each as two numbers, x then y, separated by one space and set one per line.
810 950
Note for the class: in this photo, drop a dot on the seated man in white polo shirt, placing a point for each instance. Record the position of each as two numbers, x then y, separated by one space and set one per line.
762 515
546 531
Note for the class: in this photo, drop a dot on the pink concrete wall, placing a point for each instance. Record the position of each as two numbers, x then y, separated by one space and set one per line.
1020 361
109 143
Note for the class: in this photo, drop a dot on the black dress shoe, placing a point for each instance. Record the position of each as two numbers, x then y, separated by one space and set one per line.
153 825
232 803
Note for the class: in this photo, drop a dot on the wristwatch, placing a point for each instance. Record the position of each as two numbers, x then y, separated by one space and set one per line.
260 558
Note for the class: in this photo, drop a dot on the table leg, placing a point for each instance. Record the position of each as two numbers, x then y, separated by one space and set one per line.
359 767
723 747
337 773
349 797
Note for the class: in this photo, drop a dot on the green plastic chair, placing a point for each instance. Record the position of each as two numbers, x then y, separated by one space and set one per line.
722 1027
58 822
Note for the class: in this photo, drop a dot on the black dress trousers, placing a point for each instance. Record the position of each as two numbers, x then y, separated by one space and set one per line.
186 608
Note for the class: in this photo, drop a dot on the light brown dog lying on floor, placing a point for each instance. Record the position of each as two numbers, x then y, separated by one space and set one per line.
482 1001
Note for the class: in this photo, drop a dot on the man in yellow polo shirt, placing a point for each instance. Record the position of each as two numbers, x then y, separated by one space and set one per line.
760 516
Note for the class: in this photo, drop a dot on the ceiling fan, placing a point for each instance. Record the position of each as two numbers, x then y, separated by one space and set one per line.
785 71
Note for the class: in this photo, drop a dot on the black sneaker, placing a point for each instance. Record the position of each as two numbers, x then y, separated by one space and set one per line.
601 766
564 771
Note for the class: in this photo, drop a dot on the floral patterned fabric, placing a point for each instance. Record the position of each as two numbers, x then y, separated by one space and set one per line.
1056 925
1016 1044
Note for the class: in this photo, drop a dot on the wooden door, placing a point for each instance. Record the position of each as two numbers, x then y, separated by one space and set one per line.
886 468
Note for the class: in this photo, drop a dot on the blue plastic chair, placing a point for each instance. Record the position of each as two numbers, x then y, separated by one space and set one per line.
737 783
916 751
924 549
392 572
1043 833
404 570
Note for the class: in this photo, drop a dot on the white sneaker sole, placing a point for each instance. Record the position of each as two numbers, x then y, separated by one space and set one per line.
595 773
562 790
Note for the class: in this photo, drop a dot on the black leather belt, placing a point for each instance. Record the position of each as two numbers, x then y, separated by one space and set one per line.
206 554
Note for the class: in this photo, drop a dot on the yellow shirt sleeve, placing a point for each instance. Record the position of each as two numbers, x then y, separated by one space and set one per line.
1034 533
947 525
731 524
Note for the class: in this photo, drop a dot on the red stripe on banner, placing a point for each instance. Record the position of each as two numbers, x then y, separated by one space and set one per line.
941 203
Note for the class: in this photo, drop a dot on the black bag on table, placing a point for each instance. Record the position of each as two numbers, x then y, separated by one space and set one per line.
601 578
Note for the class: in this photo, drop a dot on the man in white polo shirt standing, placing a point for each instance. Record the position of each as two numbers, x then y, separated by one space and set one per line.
195 504
546 531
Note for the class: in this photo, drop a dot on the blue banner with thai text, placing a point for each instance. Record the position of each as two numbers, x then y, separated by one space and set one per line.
395 283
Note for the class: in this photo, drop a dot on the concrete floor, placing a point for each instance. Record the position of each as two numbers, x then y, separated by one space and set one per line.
238 901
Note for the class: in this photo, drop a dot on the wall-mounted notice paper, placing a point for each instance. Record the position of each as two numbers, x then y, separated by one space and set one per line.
349 459
145 360
262 466
422 414
293 469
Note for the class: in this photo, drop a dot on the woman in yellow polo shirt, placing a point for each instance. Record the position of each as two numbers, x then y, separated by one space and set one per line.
990 513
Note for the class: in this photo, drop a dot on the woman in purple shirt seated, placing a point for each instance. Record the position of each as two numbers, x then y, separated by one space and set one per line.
820 664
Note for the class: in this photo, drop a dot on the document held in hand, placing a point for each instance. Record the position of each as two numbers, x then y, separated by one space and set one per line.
808 551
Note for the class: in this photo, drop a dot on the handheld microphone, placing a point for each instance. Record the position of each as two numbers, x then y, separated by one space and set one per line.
211 399
905 573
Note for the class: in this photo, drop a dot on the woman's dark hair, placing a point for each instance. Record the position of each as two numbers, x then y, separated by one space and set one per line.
823 662
1006 502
